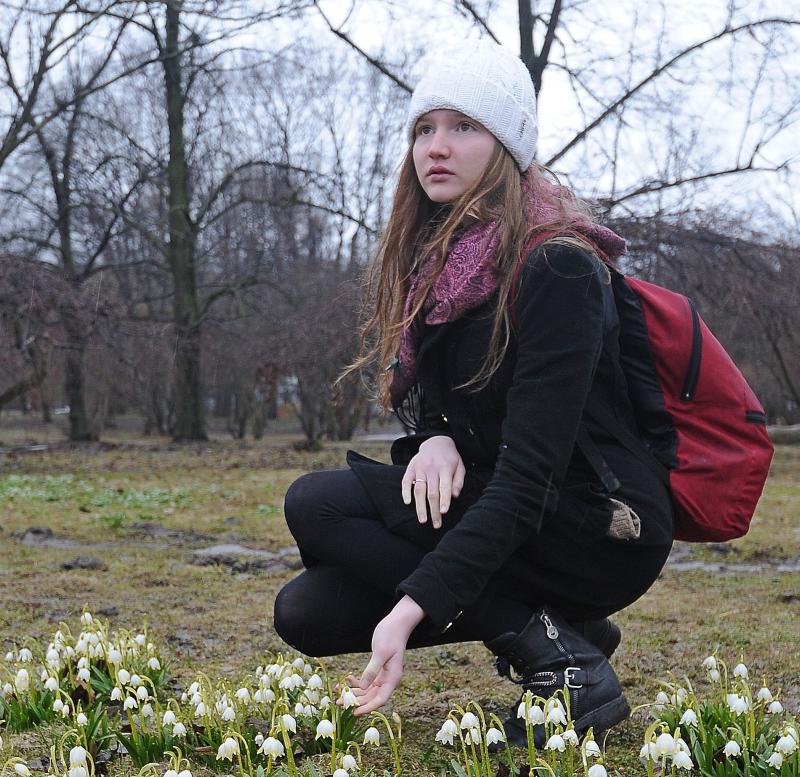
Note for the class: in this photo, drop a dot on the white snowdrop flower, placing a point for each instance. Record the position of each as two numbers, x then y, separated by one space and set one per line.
446 733
9 656
77 756
53 658
258 697
325 729
272 747
51 684
340 773
682 760
534 712
764 694
597 770
740 670
179 730
738 705
114 656
312 697
662 698
81 719
299 709
8 689
689 718
556 742
289 723
200 710
147 711
197 697
775 760
22 770
228 749
142 693
171 773
243 695
570 737
556 715
679 697
184 697
732 749
291 682
348 698
664 744
136 681
591 749
116 694
372 736
469 721
130 703
681 746
22 681
86 619
84 675
494 735
65 711
194 687
96 651
791 731
168 718
349 763
58 705
25 655
299 664
43 675
228 714
786 745
710 663
184 773
92 638
77 771
140 639
150 647
259 739
473 737
714 676
124 677
648 752
274 671
315 683
324 702
308 669
154 664
81 645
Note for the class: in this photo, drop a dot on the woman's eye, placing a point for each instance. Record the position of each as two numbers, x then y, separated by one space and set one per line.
423 129
465 126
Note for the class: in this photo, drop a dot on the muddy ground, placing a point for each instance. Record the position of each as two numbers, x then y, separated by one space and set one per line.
192 541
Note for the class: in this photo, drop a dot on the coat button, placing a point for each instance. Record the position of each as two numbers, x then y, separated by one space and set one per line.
444 418
471 431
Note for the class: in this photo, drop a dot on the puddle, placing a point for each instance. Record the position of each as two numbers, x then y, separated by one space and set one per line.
45 537
174 536
681 559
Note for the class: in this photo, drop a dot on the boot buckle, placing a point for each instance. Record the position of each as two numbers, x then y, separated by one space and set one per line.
569 676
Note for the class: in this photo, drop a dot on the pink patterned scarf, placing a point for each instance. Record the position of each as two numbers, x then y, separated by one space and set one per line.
469 277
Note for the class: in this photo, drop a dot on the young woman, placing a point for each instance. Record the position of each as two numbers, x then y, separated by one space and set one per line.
509 516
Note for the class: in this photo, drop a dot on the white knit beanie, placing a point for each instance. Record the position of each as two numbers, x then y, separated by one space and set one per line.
487 83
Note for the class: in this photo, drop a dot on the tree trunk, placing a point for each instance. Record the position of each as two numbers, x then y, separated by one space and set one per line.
189 415
74 385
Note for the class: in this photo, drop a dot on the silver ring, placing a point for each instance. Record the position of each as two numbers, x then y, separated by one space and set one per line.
420 480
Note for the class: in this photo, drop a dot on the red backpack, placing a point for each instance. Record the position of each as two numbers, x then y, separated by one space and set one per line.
701 426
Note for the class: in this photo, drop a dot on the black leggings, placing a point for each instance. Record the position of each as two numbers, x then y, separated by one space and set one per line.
354 563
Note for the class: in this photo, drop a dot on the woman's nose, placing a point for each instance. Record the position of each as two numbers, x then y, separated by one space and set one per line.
438 146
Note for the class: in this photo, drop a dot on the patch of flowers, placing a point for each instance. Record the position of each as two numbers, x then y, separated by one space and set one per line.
468 730
108 689
734 728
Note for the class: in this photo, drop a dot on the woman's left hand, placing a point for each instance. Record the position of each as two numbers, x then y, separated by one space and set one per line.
385 668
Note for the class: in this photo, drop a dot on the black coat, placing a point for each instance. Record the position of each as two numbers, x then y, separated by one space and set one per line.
517 435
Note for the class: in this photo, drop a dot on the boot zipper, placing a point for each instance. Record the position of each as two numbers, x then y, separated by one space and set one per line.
552 631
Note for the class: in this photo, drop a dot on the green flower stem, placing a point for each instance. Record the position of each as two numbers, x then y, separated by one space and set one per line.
392 742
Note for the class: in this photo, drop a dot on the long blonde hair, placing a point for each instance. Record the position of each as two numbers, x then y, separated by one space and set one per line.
418 227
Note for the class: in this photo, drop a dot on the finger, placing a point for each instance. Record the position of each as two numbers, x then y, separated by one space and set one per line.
407 483
372 670
433 500
458 478
445 491
393 673
420 490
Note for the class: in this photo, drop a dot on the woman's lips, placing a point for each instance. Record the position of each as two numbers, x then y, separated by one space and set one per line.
439 173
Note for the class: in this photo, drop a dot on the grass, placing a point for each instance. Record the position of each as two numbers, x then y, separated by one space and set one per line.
214 620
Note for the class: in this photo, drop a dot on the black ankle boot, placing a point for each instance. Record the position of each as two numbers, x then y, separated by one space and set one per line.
550 654
602 633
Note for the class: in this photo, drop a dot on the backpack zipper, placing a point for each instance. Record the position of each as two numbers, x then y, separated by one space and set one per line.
693 371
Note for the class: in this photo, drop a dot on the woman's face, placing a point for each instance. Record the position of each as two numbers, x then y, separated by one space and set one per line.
451 152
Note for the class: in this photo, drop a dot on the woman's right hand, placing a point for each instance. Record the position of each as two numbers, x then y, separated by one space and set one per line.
434 476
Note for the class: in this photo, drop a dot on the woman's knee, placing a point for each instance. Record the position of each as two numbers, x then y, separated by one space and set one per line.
301 503
291 617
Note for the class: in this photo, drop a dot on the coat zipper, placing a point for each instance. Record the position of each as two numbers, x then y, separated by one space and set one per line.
693 371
